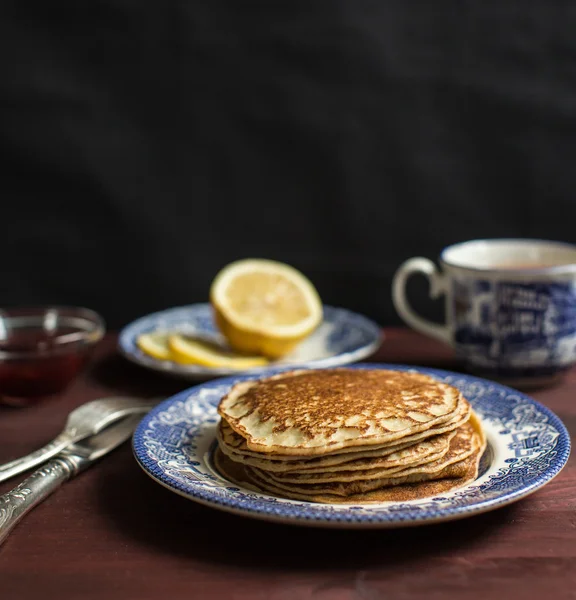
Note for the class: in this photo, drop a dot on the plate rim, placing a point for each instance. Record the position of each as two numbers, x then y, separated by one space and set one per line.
327 524
382 520
191 372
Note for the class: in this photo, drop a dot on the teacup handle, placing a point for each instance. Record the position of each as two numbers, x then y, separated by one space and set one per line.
437 287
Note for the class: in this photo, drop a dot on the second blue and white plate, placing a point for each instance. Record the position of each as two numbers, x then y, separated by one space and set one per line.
343 337
527 446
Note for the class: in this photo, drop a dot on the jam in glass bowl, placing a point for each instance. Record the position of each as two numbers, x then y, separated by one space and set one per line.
42 349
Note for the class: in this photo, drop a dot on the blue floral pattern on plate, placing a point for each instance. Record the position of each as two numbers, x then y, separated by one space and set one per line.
527 446
342 338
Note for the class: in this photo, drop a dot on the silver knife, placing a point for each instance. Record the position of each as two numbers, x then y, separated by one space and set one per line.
84 421
75 459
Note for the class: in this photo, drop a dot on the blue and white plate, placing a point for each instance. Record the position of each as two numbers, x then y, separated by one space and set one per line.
527 446
343 337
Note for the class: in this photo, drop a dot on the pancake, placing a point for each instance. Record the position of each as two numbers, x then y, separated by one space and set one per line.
348 436
399 493
373 468
309 413
467 442
234 446
420 452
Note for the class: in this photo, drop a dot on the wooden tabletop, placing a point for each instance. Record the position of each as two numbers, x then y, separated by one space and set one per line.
112 533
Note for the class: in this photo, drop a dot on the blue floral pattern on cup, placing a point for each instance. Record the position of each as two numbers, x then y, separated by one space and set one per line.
515 328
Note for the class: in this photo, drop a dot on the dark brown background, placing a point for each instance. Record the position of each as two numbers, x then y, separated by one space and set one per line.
147 143
113 534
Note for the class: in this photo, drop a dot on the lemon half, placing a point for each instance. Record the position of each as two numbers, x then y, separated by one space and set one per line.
264 307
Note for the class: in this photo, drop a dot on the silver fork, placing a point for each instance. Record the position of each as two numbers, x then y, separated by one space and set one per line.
84 421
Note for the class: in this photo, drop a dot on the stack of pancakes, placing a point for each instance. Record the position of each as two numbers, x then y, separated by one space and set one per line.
348 435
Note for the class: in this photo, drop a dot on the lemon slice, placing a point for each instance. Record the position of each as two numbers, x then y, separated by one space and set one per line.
155 345
187 350
264 307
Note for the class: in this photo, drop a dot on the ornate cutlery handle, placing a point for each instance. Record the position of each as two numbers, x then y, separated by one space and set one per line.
33 490
35 458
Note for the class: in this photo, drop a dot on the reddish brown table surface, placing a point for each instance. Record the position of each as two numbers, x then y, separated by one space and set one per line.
113 533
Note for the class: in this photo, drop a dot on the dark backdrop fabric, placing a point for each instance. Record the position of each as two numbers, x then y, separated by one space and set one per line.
145 144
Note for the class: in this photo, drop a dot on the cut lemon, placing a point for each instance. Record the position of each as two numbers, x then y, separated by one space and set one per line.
190 351
155 345
264 307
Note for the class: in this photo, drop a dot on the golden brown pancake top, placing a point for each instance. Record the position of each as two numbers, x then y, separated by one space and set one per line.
325 395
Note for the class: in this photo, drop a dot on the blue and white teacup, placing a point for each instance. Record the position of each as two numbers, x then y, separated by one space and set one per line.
510 306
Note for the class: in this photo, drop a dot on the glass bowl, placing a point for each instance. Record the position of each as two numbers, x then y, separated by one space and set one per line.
43 349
